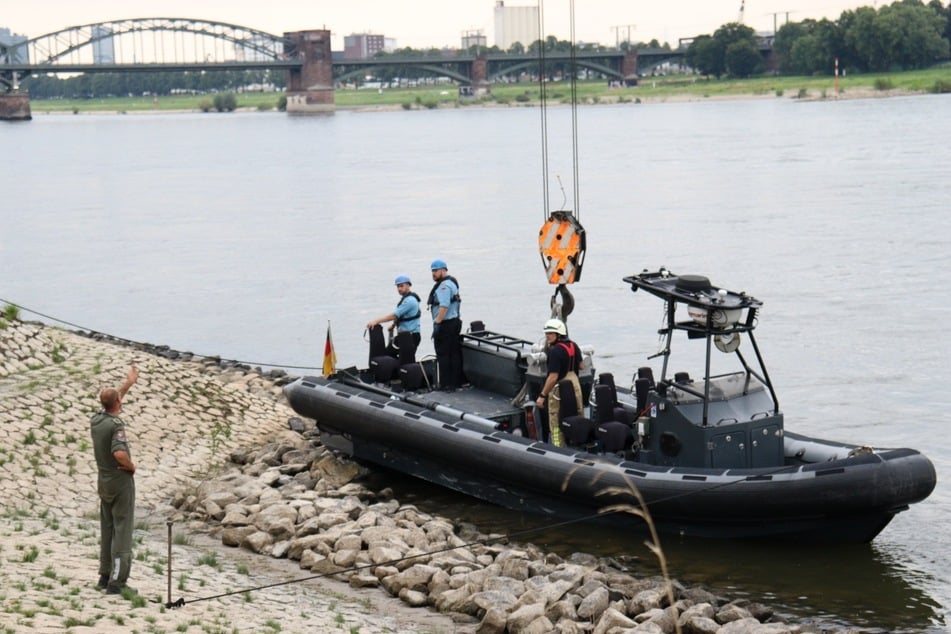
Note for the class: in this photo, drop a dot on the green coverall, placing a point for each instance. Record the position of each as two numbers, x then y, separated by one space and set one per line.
116 499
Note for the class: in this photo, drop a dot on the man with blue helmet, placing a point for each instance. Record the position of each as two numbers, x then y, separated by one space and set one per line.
406 316
444 303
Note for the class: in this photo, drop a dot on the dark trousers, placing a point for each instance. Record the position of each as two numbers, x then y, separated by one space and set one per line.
448 347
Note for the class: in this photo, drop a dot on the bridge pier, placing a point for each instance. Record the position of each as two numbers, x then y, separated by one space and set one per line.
480 76
310 89
15 107
629 67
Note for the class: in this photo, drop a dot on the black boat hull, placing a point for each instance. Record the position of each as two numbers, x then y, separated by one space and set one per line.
842 500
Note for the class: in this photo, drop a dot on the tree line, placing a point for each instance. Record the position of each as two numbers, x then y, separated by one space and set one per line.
89 85
904 35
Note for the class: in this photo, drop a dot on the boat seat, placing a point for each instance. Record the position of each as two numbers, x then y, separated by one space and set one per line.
607 408
384 368
412 376
578 430
615 437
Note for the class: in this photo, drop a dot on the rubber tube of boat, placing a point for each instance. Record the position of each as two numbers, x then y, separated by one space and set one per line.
490 425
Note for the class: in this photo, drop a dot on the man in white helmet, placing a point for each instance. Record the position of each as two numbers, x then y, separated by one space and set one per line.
564 362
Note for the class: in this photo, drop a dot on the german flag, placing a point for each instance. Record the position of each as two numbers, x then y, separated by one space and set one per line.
330 355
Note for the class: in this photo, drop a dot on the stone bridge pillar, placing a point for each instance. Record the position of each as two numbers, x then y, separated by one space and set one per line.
480 76
310 89
15 107
629 67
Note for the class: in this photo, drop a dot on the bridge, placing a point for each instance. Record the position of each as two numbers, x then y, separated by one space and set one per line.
182 44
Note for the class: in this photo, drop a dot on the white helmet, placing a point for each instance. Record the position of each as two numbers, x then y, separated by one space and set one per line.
556 326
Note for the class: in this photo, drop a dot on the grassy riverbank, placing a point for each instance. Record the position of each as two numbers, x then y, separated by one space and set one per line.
651 89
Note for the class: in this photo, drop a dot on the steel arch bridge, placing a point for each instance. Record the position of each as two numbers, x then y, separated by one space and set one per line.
147 44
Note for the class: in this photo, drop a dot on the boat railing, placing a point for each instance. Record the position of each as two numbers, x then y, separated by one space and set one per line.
498 341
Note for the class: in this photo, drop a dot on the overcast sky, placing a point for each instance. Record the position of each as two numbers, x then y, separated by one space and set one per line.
424 23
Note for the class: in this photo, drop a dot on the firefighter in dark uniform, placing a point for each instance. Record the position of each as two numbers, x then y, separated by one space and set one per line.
116 488
565 361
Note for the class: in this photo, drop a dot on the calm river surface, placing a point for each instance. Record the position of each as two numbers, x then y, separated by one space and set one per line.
245 234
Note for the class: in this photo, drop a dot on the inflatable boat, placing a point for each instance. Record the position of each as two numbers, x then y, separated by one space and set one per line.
701 457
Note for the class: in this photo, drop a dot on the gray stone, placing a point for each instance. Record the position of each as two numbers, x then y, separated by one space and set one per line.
493 622
704 610
495 600
593 605
732 612
257 541
695 624
235 535
414 598
611 618
364 579
749 625
646 600
519 620
457 600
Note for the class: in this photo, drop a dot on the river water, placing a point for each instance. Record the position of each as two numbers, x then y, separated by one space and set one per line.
244 235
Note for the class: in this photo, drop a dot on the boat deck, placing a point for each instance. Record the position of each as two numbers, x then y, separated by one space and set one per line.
474 400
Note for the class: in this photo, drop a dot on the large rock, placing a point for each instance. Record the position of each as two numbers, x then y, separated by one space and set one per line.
611 618
519 620
278 520
332 472
593 605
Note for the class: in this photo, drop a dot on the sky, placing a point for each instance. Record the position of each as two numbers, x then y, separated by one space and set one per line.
436 23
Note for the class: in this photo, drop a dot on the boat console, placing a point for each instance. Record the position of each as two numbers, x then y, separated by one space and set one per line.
720 421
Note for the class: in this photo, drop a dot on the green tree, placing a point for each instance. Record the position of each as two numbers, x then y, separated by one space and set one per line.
913 34
706 55
743 59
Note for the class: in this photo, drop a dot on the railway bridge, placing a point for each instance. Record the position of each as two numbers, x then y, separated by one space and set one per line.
182 44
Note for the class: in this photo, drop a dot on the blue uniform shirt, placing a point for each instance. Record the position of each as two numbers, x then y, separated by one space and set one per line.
444 294
406 309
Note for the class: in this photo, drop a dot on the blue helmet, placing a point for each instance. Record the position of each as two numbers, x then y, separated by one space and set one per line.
402 279
438 264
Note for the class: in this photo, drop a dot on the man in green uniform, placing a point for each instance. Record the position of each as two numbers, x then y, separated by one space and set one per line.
116 488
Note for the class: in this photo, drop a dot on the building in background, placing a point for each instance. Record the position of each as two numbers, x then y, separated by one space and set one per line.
365 45
10 50
473 38
103 45
515 24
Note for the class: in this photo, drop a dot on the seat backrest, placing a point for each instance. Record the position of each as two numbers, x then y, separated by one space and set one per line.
406 348
641 387
605 402
377 342
646 372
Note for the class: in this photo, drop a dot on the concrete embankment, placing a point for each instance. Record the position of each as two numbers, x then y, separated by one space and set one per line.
253 504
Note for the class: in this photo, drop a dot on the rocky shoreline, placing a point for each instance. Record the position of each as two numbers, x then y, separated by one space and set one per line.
255 501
